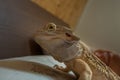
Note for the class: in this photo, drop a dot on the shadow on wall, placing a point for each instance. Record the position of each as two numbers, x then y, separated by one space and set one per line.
19 19
99 25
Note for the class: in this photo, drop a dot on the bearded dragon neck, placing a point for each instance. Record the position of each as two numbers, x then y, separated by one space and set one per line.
93 60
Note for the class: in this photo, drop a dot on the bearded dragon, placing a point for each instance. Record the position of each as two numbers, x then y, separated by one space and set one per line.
61 43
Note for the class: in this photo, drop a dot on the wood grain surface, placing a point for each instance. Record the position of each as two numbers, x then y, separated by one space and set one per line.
67 10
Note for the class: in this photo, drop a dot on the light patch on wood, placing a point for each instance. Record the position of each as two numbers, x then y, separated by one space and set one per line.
67 10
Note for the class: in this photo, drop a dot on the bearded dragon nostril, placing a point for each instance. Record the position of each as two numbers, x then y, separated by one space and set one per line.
67 34
72 37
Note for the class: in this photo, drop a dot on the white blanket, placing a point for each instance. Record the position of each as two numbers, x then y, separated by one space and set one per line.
25 68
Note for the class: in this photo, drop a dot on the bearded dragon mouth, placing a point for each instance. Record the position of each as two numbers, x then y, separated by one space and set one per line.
73 50
68 44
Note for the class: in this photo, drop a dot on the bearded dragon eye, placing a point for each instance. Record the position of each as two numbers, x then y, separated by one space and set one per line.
51 27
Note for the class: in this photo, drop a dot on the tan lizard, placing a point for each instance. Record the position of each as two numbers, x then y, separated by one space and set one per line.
64 46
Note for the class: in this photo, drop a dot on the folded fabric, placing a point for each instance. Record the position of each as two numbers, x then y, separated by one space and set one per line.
32 68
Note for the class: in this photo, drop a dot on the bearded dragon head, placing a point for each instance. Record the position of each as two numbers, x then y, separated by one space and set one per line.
59 41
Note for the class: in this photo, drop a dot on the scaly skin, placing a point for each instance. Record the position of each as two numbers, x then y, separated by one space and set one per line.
95 63
61 43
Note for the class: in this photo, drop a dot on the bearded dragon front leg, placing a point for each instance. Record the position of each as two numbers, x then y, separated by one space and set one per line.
85 73
79 67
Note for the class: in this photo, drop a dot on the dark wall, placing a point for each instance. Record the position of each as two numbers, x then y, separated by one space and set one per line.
19 19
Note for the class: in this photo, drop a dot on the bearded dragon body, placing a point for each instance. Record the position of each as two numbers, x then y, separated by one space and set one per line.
61 43
95 63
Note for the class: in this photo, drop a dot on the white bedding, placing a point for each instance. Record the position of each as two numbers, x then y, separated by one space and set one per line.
23 68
